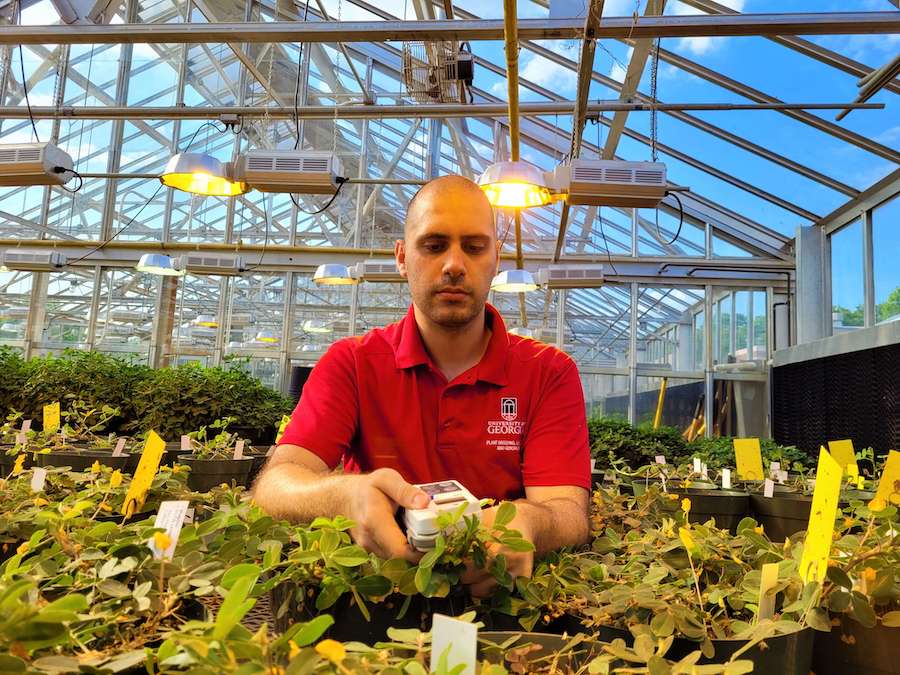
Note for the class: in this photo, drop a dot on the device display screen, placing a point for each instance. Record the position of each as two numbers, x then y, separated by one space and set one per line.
442 488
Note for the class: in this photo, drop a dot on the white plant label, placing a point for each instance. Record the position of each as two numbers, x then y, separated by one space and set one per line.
768 581
189 516
782 476
593 465
768 488
170 517
119 450
186 443
697 465
26 426
21 438
726 479
774 468
239 450
660 459
457 639
38 477
704 470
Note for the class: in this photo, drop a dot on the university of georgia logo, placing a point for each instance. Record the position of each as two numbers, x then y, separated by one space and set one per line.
509 408
510 424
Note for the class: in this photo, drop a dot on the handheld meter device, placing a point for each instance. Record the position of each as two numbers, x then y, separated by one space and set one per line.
446 495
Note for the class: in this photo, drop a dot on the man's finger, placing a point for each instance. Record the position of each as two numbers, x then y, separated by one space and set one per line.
391 483
393 543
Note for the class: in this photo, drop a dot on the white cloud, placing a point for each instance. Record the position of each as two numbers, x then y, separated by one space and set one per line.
702 45
548 74
889 136
617 71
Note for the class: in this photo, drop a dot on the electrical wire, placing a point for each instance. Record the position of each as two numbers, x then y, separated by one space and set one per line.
605 242
680 221
123 228
25 89
77 175
340 181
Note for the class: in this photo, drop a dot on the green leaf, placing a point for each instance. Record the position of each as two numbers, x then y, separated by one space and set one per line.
12 664
236 572
113 588
505 513
862 611
839 577
891 619
819 620
350 556
518 544
663 625
423 578
312 630
236 604
374 586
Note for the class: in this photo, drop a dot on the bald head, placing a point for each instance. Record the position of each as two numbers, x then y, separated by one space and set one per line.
451 191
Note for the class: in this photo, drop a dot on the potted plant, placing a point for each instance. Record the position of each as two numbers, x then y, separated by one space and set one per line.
212 460
859 616
81 442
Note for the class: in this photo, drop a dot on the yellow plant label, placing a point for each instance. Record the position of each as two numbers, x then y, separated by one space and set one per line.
814 562
281 427
843 452
51 417
144 474
889 486
748 458
767 582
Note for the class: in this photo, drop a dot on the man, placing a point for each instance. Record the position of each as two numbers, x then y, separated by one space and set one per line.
446 393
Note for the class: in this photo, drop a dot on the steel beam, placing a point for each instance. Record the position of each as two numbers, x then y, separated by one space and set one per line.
829 23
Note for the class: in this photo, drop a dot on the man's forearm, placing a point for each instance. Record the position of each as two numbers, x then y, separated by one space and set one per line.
555 523
299 494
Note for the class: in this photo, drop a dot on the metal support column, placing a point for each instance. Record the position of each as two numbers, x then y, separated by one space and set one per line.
811 300
732 347
287 333
634 232
709 406
751 326
868 271
95 308
561 319
632 355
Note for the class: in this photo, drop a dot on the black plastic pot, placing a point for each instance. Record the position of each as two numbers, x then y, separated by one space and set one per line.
209 473
789 654
782 515
853 648
81 460
728 507
7 462
349 622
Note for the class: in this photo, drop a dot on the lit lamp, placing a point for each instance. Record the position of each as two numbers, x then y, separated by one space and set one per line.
201 174
513 281
158 263
333 274
514 185
268 336
316 326
207 320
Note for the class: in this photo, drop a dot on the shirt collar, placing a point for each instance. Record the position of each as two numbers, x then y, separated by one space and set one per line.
409 351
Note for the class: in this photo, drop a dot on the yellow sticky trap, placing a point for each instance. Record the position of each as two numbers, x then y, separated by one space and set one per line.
843 452
767 582
285 419
889 485
748 458
51 417
143 476
814 562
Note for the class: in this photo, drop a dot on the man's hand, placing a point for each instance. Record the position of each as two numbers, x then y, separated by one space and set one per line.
518 563
372 508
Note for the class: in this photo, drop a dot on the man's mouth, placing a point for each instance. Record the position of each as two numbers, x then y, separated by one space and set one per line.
452 293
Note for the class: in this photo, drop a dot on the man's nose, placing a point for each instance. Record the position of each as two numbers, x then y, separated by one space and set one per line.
454 263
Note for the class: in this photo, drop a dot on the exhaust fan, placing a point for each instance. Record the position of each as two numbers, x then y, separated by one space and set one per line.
296 171
571 276
24 164
209 263
32 260
602 182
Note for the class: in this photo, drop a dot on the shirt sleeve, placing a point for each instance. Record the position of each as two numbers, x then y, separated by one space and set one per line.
325 420
556 444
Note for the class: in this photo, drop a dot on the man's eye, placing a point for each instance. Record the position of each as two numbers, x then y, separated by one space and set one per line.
476 248
434 247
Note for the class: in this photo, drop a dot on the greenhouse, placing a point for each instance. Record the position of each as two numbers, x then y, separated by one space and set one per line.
534 336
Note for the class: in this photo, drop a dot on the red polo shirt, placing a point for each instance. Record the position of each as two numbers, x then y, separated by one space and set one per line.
515 419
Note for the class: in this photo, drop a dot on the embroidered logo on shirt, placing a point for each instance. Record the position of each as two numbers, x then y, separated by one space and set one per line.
509 408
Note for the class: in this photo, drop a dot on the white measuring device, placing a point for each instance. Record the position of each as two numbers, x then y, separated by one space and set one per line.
446 495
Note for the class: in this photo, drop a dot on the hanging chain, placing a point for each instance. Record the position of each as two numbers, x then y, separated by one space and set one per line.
654 69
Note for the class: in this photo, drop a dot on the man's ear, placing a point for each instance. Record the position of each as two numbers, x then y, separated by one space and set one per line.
400 256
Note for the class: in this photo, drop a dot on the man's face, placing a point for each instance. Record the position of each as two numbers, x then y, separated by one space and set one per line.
449 255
